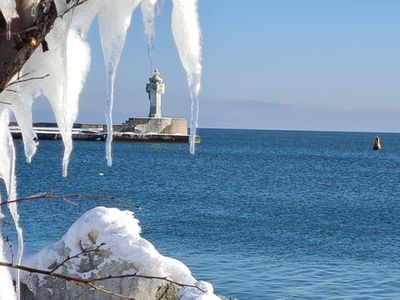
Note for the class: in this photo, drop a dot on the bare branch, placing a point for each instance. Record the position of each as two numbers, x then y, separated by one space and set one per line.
79 281
29 34
76 4
11 248
24 75
25 80
90 282
84 251
165 278
39 25
108 292
163 294
4 222
47 195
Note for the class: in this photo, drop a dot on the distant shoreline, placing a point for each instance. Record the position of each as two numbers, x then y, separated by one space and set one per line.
301 130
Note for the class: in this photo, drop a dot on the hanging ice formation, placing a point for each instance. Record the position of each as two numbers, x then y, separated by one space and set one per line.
7 7
113 40
64 69
148 14
186 31
7 174
35 5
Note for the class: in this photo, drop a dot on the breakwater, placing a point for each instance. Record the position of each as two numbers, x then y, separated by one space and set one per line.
162 130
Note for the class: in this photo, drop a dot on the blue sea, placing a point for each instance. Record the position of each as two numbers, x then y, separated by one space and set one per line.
260 214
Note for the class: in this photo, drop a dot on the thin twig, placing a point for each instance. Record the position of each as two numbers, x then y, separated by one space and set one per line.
90 282
79 281
76 4
39 25
25 80
164 293
84 251
164 278
4 222
47 195
11 248
108 292
34 27
24 75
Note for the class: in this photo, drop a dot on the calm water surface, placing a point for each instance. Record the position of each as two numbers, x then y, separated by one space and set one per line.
260 214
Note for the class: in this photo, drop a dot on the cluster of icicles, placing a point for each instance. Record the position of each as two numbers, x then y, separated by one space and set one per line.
67 64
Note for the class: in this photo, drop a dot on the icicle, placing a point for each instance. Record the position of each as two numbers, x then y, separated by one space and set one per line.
7 174
77 62
8 30
34 7
66 129
148 14
21 105
7 7
12 195
7 287
194 111
113 40
186 31
61 6
74 59
67 63
160 4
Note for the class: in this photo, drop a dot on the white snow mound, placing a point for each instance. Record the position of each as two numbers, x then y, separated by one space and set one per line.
120 232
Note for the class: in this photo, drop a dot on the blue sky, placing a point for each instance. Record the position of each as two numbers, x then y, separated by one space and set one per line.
268 64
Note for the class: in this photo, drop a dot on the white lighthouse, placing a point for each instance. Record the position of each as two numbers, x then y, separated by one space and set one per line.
156 127
155 88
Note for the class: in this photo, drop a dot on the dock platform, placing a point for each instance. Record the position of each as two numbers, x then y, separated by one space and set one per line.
97 132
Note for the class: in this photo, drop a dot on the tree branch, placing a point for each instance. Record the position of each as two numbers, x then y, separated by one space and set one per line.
91 282
76 4
84 251
16 51
25 80
165 278
79 281
47 195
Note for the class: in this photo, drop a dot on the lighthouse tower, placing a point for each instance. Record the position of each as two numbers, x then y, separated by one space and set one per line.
155 88
155 127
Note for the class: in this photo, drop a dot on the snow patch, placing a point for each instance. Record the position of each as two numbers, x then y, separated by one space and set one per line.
120 232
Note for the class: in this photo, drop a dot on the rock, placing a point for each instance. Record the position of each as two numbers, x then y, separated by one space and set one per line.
109 243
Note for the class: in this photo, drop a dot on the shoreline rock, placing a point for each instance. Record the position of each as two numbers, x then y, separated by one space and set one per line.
120 250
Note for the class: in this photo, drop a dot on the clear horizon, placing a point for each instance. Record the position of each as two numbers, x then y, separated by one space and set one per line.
274 65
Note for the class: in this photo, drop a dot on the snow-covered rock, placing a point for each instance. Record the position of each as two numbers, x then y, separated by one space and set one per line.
124 252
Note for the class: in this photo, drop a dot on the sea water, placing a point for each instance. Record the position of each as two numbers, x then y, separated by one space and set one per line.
260 214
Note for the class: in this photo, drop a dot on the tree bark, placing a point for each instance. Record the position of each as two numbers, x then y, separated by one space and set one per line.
27 34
